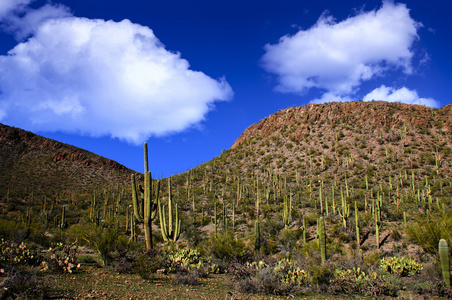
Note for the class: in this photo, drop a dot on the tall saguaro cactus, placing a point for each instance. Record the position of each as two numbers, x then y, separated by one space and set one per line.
169 232
345 211
357 225
287 213
444 260
322 238
257 236
145 210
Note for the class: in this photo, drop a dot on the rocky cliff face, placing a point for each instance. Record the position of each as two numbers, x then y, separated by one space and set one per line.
32 162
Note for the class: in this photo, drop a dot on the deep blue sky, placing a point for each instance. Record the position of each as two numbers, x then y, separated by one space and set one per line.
226 41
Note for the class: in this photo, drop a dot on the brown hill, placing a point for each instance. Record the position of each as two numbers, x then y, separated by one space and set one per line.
336 137
32 163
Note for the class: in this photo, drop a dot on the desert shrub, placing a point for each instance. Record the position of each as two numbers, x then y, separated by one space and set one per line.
258 277
312 250
12 230
225 247
20 232
242 278
147 263
189 276
427 234
265 281
104 240
401 266
289 239
88 259
123 265
21 283
194 233
395 234
372 257
351 281
321 275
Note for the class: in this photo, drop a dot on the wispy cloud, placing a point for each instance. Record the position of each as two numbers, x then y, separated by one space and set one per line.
331 97
99 78
337 57
18 18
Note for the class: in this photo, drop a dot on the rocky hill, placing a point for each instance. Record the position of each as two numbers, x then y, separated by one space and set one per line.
31 163
353 136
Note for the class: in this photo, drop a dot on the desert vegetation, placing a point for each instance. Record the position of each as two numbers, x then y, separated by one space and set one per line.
332 199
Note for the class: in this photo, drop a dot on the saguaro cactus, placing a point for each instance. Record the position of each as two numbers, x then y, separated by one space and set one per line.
169 232
444 260
377 231
322 238
286 213
257 236
146 212
345 211
304 231
357 225
63 219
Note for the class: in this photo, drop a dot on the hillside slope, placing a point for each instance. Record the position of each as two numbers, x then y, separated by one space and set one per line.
32 163
349 137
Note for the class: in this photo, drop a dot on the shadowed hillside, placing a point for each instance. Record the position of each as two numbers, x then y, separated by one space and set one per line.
33 164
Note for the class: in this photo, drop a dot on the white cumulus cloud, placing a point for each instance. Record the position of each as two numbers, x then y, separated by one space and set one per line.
101 78
336 57
402 95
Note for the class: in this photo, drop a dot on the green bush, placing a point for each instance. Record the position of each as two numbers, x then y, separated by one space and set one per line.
19 232
146 264
22 283
261 278
224 246
104 240
427 234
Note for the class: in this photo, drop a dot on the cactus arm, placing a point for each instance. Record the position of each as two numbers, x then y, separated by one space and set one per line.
170 209
135 200
169 232
178 225
163 222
